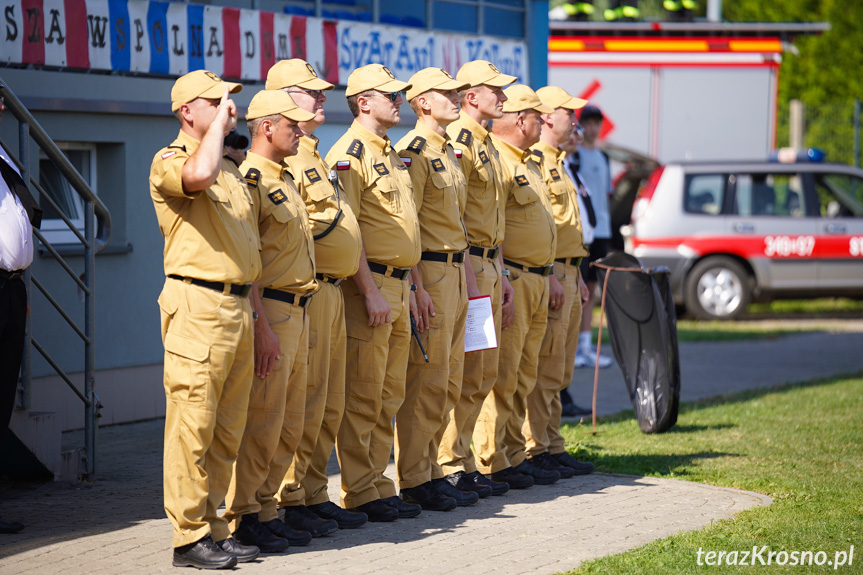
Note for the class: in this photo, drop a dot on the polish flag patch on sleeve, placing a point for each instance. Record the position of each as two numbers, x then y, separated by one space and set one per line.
407 161
167 155
458 153
343 165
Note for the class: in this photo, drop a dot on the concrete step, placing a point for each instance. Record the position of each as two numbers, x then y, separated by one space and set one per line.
40 435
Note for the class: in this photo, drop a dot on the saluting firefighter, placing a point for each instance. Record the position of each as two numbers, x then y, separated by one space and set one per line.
280 299
545 444
337 256
211 259
377 187
440 294
479 161
528 253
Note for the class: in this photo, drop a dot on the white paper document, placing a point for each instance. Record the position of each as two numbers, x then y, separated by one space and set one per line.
479 331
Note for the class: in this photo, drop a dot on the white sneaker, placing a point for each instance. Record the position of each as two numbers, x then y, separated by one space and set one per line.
588 359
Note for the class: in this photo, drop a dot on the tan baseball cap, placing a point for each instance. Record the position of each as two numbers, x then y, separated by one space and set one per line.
520 97
433 79
484 72
199 84
555 97
295 72
374 77
271 102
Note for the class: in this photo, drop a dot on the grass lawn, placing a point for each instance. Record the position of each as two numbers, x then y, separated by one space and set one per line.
800 444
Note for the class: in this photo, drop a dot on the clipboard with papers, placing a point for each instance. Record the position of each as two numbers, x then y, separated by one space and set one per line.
479 327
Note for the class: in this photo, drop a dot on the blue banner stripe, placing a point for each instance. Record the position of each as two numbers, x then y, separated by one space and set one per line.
118 12
157 26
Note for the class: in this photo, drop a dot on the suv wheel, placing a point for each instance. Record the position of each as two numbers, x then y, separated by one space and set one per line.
717 288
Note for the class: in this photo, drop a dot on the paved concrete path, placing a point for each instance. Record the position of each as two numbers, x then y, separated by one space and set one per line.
117 524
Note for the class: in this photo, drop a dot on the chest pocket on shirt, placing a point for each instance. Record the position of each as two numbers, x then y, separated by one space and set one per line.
559 197
219 195
287 215
386 190
441 193
319 190
528 204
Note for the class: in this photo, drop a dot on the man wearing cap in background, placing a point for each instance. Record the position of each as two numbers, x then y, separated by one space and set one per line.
280 298
528 253
483 214
211 259
377 187
336 235
439 302
545 445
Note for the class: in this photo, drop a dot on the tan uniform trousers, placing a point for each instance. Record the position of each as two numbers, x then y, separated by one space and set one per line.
480 374
209 362
275 422
306 480
376 361
556 364
432 389
500 441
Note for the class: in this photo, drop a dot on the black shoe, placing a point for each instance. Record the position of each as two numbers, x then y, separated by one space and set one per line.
464 482
578 467
296 538
253 532
497 487
10 526
547 462
300 518
428 497
540 476
243 553
406 510
377 511
203 554
513 478
462 498
573 410
346 519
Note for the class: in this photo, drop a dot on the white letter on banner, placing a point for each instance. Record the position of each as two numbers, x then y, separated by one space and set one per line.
97 32
13 31
139 56
282 36
178 38
213 40
55 32
250 33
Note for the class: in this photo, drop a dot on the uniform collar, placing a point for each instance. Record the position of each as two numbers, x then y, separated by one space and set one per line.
433 139
310 144
381 145
510 152
473 126
269 167
188 142
547 150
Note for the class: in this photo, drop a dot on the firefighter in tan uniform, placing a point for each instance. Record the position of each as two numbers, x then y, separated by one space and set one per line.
211 259
484 221
439 302
337 256
528 253
377 187
280 298
545 445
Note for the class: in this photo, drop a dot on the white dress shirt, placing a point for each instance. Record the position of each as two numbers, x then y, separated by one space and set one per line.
16 233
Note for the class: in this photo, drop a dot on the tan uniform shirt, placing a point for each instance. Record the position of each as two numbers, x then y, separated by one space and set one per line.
209 235
480 164
287 254
531 236
378 188
337 254
564 205
438 188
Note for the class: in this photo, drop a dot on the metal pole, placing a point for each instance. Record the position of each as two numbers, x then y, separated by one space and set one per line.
90 346
714 10
27 363
856 132
796 128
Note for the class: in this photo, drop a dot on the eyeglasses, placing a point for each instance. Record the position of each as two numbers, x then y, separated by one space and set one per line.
392 96
316 94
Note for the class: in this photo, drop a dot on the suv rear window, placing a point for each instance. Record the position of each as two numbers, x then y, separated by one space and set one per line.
769 195
704 193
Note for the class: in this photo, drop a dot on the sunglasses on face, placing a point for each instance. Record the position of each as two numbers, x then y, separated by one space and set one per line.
316 94
391 96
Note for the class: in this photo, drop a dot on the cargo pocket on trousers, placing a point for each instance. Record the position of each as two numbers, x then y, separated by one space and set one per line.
362 391
187 369
429 339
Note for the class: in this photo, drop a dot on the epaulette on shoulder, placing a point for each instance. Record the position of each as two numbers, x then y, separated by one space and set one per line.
417 145
464 137
356 149
178 147
253 176
537 153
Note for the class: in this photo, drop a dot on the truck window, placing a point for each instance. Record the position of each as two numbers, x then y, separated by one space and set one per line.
769 195
839 196
704 193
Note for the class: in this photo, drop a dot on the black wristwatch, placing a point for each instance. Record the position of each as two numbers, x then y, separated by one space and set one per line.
413 287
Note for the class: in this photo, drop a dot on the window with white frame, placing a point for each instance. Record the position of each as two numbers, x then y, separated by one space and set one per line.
83 157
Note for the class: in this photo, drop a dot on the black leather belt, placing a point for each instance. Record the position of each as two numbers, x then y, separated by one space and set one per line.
9 276
543 270
571 261
329 279
293 299
490 253
242 290
455 257
398 273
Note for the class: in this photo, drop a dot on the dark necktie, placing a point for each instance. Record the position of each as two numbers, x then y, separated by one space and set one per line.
19 189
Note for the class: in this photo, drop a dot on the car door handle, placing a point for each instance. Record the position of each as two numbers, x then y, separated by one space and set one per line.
834 228
744 228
